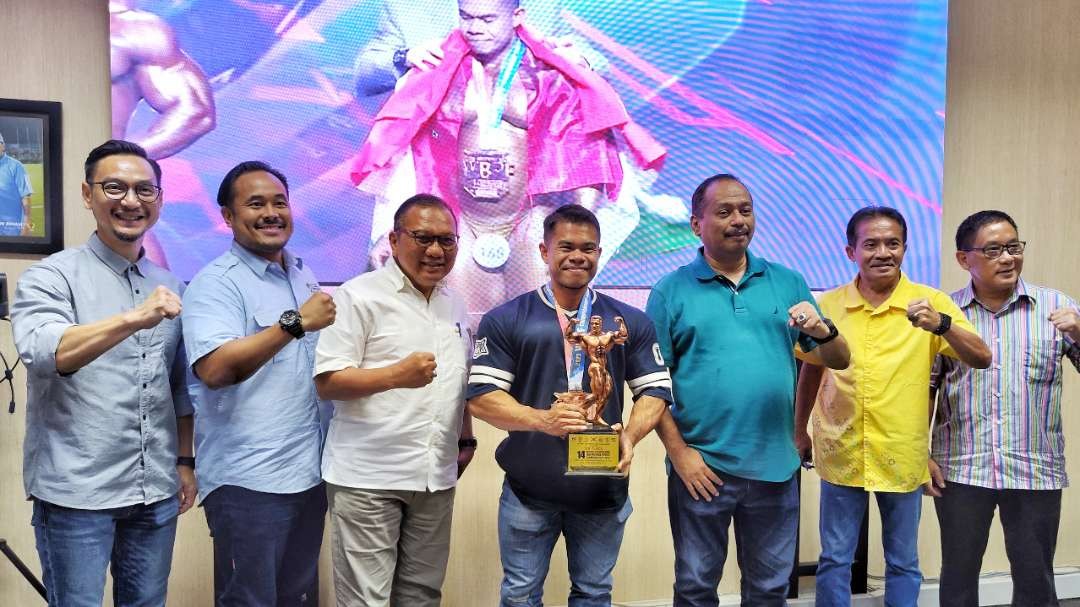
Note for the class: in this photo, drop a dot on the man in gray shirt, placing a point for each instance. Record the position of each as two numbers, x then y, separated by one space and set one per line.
108 451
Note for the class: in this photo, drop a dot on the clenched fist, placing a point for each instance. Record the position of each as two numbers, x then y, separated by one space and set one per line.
415 370
161 304
805 318
318 312
923 315
1067 321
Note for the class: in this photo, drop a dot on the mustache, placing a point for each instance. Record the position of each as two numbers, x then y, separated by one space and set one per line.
270 222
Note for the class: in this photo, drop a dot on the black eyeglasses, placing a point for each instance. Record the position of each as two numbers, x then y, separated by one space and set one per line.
117 190
447 242
993 251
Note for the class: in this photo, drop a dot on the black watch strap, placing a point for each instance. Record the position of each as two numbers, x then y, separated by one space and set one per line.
833 332
186 461
467 443
292 323
944 326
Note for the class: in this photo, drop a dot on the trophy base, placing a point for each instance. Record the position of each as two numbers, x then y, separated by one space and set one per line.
593 452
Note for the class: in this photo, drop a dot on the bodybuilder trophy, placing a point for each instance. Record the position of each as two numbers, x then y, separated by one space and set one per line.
596 450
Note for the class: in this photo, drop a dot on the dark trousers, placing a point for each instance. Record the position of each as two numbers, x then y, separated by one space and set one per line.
266 546
766 519
1030 521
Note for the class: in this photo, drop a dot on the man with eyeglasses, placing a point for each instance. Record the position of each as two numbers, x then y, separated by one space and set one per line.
107 454
997 439
251 320
395 366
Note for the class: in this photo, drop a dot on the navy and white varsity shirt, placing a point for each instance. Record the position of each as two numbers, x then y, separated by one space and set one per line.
519 349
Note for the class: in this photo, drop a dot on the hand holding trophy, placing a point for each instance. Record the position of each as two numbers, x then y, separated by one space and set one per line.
594 451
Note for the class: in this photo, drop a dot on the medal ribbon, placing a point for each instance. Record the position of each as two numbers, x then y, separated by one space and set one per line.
491 116
576 371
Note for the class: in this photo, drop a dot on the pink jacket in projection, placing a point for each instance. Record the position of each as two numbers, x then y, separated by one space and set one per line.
571 116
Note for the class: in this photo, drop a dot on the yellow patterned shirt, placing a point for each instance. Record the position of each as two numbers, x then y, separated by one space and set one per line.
870 422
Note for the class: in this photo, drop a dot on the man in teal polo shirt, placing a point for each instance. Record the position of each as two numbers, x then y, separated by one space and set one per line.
727 324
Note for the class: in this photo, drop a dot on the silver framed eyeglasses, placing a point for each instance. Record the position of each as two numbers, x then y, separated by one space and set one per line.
117 190
447 242
993 251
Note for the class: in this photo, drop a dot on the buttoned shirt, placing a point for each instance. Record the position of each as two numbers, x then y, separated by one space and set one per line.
105 435
1000 427
264 433
871 421
730 350
403 438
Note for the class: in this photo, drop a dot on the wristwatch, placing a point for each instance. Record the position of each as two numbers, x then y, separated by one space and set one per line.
467 443
944 325
400 61
291 322
833 332
186 461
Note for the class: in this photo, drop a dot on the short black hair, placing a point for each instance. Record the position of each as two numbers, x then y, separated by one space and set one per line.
420 200
697 200
118 147
226 191
969 227
869 213
570 213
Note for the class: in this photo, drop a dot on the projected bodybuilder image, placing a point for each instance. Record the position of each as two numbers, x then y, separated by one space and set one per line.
506 128
147 64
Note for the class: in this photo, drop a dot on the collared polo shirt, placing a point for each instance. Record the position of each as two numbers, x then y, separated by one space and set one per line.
871 420
731 355
105 435
405 438
1000 427
264 433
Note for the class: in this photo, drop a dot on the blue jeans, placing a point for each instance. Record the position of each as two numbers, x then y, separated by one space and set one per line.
77 546
766 526
527 537
842 511
266 545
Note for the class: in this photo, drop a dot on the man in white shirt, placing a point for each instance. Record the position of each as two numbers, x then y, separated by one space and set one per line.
400 436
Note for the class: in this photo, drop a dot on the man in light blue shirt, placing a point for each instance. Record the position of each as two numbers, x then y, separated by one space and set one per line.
251 321
108 420
15 192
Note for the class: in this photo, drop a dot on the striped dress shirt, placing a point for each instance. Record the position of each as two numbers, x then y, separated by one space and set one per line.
1000 428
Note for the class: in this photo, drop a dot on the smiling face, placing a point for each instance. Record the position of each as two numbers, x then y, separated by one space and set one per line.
878 252
259 214
571 252
726 224
996 276
125 221
424 266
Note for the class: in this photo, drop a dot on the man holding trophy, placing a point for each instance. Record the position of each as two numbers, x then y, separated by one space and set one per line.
567 453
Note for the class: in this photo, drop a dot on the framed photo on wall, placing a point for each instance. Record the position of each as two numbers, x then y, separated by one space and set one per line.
31 189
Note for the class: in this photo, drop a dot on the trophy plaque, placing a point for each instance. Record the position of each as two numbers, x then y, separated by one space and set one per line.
595 450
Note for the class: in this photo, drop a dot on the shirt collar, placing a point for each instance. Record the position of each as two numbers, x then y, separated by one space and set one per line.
402 283
259 265
115 261
551 303
966 296
701 269
899 298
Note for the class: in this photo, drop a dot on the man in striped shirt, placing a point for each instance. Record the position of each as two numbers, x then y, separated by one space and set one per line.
997 439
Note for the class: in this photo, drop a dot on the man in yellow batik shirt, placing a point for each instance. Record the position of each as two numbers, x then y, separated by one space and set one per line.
871 430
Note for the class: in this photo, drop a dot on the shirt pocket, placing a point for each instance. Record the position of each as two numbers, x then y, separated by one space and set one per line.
1040 360
265 318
